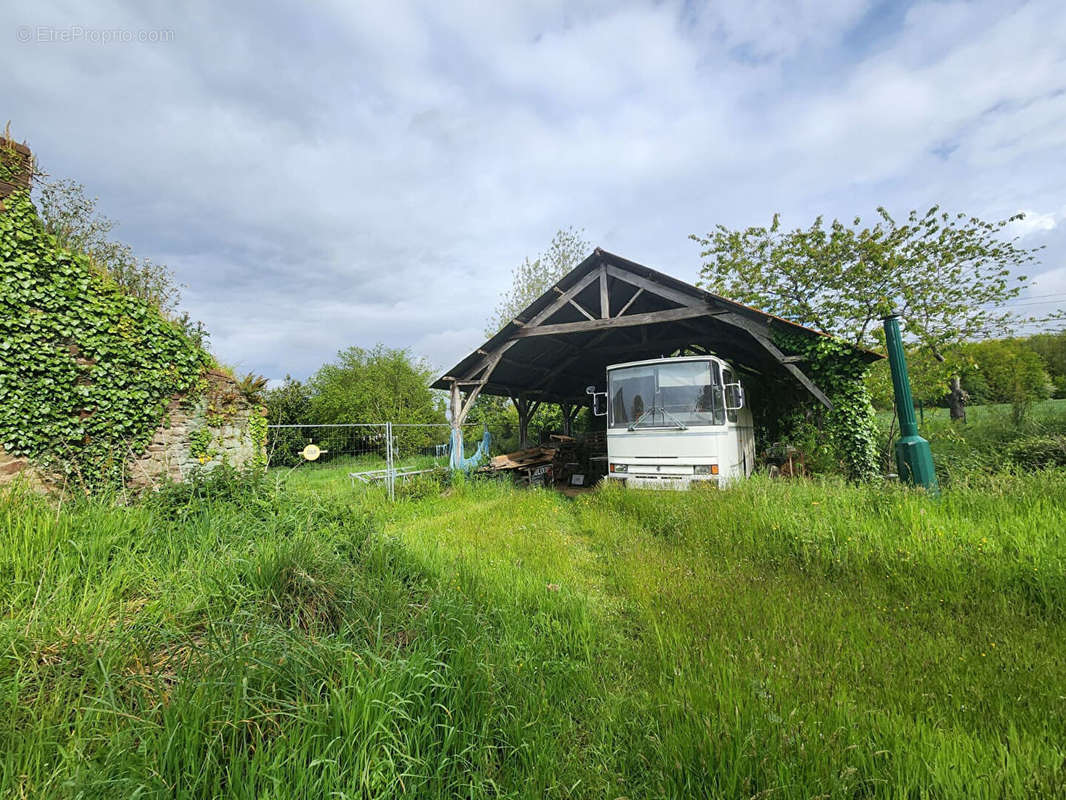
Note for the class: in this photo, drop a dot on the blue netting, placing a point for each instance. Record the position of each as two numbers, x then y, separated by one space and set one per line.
456 460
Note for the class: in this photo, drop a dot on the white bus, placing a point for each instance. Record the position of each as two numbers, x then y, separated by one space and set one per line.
673 422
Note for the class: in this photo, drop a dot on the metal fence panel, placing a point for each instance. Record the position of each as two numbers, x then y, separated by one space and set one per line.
332 446
375 453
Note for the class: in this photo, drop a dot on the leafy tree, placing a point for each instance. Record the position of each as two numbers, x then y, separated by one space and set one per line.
929 378
1009 372
497 414
531 279
72 217
1051 347
378 385
949 275
288 404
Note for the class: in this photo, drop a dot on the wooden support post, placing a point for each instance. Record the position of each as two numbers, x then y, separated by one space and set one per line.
570 412
526 409
522 407
605 296
456 408
532 411
566 408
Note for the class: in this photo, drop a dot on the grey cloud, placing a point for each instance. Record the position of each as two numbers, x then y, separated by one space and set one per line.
330 175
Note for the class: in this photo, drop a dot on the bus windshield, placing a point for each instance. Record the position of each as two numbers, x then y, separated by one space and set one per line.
668 395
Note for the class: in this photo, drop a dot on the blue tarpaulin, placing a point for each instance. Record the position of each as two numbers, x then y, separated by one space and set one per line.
457 461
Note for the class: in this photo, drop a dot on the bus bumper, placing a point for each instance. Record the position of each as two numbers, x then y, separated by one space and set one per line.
676 482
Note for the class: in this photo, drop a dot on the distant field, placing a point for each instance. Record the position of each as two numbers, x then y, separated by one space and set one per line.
978 446
1045 412
776 640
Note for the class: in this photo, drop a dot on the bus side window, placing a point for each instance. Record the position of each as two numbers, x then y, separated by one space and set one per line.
618 410
719 394
727 378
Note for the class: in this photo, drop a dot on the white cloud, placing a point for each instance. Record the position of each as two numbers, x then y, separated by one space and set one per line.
351 174
1033 222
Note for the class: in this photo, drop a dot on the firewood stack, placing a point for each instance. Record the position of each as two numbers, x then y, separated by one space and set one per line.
567 460
556 461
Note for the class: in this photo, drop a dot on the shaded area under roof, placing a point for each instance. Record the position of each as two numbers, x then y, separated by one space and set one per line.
609 310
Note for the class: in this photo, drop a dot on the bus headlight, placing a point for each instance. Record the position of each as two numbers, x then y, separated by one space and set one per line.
705 469
619 467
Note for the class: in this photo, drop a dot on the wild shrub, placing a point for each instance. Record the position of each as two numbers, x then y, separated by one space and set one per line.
428 484
223 483
1038 452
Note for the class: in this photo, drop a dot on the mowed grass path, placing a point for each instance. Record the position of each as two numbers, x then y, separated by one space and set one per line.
799 640
773 640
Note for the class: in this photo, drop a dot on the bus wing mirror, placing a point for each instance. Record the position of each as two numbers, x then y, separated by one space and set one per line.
596 410
734 397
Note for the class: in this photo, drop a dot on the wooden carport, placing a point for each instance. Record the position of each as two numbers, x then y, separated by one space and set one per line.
609 310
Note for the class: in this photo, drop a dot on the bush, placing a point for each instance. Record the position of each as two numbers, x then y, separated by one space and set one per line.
1038 452
1059 383
428 484
1009 372
224 483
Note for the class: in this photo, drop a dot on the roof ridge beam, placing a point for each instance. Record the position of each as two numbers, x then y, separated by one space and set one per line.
649 318
487 360
668 292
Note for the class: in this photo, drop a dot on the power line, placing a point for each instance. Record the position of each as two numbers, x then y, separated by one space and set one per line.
1037 303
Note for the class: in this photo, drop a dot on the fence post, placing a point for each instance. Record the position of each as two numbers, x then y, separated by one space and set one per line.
390 462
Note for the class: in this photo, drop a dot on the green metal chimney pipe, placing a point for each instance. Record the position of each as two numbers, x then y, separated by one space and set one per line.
914 459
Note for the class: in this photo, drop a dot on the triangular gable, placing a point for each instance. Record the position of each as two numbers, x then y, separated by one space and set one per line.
607 310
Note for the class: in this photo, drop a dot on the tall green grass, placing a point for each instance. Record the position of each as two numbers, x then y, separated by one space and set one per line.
801 639
981 445
772 640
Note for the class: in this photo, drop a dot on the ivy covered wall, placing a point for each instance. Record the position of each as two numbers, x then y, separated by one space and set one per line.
86 371
850 426
216 426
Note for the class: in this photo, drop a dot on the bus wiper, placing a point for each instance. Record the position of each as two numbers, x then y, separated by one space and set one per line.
674 421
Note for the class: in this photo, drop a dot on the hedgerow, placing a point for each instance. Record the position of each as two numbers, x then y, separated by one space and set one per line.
86 371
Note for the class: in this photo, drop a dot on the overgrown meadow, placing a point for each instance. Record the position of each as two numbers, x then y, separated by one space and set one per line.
262 639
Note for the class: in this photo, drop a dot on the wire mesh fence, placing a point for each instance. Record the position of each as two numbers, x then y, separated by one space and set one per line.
370 453
327 446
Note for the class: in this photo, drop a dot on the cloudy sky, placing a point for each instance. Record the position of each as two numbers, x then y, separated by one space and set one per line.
339 173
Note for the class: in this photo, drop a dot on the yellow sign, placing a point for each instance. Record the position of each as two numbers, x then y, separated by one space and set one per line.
311 452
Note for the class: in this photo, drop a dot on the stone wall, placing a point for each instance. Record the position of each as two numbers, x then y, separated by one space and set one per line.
218 427
18 469
17 161
213 425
